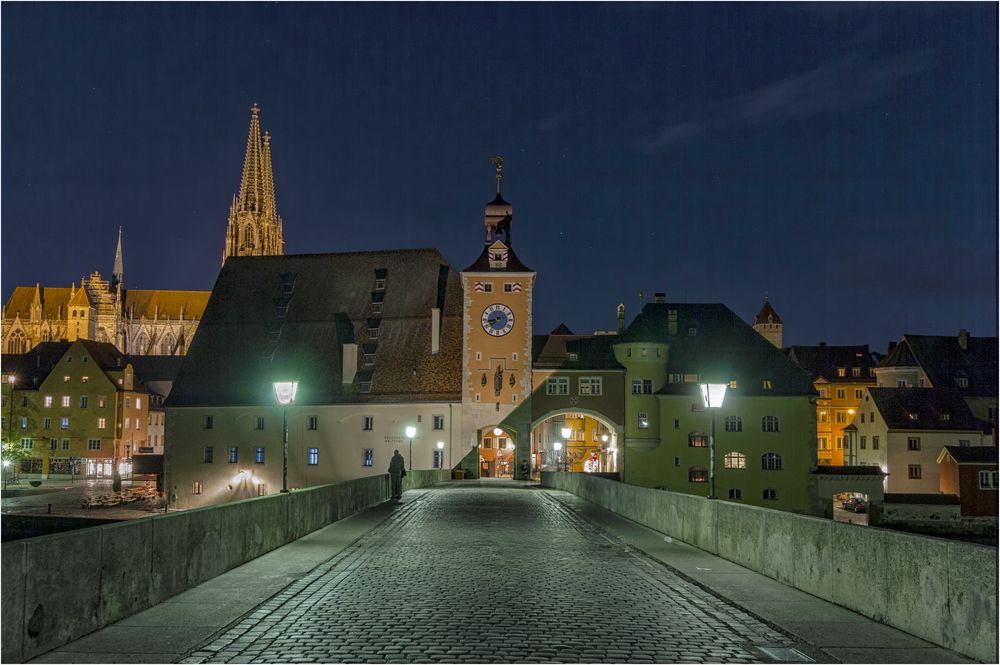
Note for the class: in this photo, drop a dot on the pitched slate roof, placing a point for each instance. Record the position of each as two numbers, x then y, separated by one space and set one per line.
823 361
722 348
896 405
970 454
944 361
31 368
243 342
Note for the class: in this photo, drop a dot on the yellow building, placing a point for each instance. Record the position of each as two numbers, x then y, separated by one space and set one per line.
75 408
840 375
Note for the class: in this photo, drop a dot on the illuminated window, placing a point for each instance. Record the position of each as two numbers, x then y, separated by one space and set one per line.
735 461
697 474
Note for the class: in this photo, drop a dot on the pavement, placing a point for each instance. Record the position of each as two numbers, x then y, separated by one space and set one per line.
494 571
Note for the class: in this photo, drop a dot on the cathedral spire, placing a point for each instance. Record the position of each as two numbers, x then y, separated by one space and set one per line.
254 224
118 274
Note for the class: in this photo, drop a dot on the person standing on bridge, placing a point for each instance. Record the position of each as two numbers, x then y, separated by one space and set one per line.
397 470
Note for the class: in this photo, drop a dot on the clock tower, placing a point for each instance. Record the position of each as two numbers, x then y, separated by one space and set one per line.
496 346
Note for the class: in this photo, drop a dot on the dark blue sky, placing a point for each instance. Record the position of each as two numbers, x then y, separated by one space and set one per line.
841 158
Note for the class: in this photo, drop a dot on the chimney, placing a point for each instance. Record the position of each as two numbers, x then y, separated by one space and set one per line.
621 318
350 364
963 339
435 330
659 298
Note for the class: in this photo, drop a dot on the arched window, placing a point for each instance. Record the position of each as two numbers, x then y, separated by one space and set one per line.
770 462
769 424
697 474
697 440
735 461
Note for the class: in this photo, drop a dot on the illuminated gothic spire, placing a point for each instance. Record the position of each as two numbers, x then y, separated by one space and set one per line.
254 224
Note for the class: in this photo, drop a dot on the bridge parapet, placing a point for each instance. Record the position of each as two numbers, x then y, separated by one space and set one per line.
943 591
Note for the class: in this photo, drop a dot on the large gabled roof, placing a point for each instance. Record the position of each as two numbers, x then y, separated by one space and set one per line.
243 342
823 361
711 341
924 409
944 361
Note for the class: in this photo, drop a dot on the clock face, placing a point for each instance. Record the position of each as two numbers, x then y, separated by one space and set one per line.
498 320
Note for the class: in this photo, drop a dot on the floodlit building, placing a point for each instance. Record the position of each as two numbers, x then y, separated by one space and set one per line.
904 430
840 375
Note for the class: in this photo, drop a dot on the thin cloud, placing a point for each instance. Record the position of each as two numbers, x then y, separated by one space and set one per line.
847 82
676 133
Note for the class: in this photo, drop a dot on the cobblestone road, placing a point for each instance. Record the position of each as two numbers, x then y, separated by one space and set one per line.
491 575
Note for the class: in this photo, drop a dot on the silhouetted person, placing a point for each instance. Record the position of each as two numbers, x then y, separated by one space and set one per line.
397 469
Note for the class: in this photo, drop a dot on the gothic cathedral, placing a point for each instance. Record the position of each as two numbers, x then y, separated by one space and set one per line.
496 351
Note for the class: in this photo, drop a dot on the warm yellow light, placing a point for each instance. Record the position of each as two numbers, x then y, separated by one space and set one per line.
411 431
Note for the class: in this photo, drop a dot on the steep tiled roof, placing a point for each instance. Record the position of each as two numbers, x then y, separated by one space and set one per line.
931 408
928 499
165 304
54 302
765 312
823 361
945 361
31 368
243 343
970 454
710 340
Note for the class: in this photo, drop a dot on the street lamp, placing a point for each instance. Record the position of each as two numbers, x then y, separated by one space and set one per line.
713 394
558 446
411 432
284 394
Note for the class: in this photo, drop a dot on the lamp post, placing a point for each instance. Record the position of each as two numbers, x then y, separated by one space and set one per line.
411 432
713 394
284 394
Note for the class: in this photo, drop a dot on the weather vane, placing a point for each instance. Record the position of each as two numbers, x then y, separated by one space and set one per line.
497 161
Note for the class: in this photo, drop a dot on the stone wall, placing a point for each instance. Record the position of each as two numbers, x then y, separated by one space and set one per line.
942 591
60 587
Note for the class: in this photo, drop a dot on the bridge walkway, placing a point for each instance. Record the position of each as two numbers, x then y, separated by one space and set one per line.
494 572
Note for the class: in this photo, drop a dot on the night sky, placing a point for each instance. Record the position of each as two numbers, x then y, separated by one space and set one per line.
840 158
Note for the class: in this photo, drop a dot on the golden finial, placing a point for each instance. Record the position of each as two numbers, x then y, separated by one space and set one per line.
497 161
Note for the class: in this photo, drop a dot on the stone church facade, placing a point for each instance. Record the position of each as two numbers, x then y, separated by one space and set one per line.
144 321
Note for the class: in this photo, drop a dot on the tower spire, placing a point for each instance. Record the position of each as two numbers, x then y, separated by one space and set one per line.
254 224
251 186
118 274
